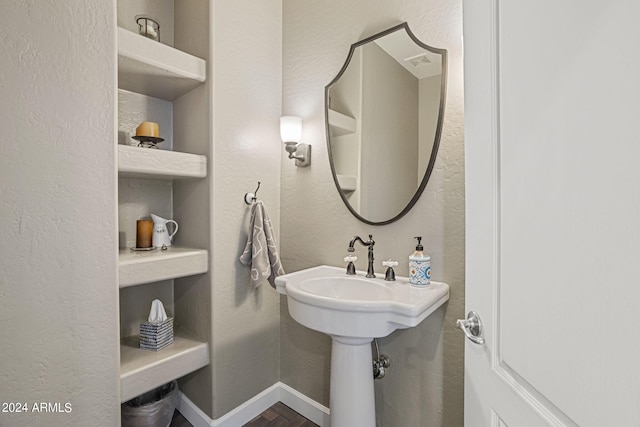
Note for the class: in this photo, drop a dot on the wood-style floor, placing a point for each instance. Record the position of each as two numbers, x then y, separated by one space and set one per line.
279 415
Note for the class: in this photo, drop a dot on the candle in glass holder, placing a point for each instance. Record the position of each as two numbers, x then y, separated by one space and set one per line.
148 27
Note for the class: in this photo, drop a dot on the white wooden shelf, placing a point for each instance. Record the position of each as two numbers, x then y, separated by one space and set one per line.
143 370
151 68
341 124
135 162
347 182
139 267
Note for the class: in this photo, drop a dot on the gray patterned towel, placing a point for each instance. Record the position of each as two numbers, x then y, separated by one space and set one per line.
261 252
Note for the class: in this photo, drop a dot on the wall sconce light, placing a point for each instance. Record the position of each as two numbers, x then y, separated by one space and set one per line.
291 133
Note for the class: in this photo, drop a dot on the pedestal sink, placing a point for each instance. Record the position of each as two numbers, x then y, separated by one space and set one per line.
353 310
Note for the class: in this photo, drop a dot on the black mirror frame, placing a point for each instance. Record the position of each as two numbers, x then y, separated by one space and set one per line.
438 134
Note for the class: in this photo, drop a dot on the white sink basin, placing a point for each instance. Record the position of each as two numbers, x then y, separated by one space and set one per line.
353 310
348 288
328 300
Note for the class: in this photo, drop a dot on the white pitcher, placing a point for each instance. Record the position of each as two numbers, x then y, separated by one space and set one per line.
161 234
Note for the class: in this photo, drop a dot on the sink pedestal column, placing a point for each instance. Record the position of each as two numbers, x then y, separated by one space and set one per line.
351 399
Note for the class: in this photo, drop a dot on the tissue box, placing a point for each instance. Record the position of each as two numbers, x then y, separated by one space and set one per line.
156 335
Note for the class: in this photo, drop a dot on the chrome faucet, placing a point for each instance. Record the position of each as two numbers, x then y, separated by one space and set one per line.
369 244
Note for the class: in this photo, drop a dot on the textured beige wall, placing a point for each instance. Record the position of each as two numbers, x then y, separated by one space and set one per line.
425 383
247 89
392 147
427 111
58 275
191 198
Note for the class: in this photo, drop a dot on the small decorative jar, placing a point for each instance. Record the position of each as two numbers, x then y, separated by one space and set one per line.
148 27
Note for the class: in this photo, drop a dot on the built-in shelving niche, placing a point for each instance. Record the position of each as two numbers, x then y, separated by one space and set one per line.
151 76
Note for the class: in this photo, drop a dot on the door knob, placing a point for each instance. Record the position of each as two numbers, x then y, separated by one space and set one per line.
472 327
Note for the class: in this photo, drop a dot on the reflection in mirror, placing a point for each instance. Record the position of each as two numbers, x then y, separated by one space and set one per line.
384 114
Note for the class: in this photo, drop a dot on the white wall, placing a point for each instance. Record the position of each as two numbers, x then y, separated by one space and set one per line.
424 386
58 281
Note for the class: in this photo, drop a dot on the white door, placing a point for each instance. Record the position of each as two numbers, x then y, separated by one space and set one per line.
552 139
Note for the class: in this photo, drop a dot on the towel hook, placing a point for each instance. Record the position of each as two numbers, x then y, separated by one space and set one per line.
252 197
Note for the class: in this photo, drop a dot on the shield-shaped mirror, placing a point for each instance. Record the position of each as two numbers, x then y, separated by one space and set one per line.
384 112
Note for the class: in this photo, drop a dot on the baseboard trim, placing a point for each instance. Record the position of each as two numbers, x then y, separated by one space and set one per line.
192 413
304 405
279 392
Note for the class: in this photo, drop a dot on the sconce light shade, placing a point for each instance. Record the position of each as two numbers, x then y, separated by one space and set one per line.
291 128
291 133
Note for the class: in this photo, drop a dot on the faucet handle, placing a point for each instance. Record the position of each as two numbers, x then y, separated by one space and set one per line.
351 268
390 275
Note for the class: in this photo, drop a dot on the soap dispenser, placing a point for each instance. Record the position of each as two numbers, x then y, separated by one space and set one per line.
419 266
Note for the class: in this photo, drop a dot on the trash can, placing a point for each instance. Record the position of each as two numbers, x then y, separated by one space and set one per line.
152 409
